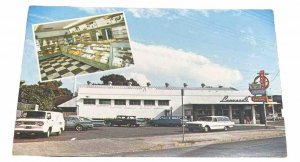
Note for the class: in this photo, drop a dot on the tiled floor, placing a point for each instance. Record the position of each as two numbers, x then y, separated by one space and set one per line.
62 66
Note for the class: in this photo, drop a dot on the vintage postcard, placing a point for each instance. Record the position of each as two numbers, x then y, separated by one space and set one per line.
82 46
201 83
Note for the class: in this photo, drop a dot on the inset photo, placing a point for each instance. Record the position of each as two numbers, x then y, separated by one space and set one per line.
81 46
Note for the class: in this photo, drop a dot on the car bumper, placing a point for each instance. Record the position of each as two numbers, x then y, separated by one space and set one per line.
31 129
194 127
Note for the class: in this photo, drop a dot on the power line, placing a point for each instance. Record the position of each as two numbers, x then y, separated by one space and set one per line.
275 76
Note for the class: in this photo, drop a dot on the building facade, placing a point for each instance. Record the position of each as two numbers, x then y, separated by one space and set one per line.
108 101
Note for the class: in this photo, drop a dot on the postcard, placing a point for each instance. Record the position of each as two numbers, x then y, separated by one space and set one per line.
137 82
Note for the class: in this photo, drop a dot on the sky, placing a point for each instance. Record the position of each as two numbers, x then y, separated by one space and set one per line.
176 46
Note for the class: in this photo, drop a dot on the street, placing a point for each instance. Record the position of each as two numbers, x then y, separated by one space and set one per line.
117 132
109 141
272 147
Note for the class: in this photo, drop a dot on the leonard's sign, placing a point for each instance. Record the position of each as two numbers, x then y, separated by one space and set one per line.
227 99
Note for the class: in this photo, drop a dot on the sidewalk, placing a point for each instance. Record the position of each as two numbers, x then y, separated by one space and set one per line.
107 146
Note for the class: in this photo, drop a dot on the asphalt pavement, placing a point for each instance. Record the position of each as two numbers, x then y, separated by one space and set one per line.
271 147
118 132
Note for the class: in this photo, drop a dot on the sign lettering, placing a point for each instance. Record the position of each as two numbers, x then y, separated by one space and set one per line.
227 99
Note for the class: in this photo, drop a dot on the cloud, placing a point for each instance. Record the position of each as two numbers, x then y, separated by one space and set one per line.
41 17
164 64
147 12
97 10
139 77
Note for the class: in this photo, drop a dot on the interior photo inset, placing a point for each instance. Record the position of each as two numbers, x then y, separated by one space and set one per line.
81 46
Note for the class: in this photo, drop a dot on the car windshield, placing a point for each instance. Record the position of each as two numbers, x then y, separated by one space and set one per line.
85 119
34 114
205 119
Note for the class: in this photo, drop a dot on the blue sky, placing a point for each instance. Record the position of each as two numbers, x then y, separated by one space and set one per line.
215 47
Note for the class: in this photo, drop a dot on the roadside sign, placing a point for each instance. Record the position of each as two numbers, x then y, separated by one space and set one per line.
259 98
255 86
263 80
258 92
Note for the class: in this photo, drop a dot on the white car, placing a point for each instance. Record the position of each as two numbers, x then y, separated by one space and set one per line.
208 123
40 122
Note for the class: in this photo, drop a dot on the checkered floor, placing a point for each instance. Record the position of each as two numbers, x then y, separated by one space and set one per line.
62 66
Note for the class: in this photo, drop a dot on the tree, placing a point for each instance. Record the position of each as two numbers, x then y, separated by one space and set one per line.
43 94
117 80
202 85
88 82
35 94
134 83
54 85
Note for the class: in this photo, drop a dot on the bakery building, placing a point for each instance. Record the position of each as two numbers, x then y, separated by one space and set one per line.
85 45
108 101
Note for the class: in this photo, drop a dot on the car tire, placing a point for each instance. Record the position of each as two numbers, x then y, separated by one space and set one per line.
79 128
206 129
226 128
47 134
59 132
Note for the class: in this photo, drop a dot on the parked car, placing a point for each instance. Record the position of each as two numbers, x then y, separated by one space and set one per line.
78 123
40 122
208 123
166 121
141 121
124 120
98 123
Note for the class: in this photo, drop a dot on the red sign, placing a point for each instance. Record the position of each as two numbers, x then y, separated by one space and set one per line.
264 81
259 98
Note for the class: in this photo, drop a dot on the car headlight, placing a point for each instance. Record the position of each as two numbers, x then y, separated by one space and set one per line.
18 123
40 123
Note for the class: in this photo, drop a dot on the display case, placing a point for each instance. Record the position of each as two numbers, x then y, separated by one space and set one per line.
121 55
49 46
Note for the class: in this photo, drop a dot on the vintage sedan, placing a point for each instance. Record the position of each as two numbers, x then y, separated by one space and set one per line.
78 123
208 123
166 121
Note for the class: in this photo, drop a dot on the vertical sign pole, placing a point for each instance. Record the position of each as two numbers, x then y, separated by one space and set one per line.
182 113
265 113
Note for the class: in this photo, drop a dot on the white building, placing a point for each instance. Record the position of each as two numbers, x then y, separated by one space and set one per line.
108 101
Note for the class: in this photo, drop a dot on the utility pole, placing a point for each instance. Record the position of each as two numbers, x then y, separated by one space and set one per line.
182 113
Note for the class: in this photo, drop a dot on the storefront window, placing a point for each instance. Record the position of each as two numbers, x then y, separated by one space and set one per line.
221 110
163 102
104 101
149 102
120 102
200 111
134 102
235 113
89 101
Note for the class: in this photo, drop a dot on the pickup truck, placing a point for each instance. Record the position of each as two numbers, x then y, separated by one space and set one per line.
124 120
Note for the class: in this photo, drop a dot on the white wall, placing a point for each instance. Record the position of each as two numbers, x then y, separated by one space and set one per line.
51 33
191 96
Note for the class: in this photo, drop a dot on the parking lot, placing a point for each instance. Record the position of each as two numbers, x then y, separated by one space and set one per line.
117 132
